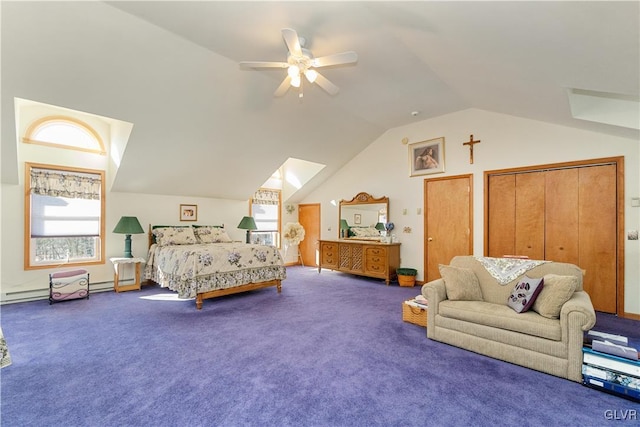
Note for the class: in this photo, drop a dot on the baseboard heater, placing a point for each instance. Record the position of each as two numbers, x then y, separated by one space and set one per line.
43 293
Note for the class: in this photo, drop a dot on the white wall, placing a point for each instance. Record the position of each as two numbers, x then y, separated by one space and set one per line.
382 169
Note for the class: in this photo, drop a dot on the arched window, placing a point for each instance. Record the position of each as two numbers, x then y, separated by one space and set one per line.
64 132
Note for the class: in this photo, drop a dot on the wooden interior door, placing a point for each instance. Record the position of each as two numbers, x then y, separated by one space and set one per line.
448 221
309 218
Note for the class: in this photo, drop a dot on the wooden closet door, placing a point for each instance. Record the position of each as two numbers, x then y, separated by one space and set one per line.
530 204
597 226
502 215
561 216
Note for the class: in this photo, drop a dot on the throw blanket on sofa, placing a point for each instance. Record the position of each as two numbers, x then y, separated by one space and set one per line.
504 270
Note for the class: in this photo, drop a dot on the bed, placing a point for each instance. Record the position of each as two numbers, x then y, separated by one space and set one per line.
202 262
364 233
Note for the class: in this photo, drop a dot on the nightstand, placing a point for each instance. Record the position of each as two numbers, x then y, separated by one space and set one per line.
117 262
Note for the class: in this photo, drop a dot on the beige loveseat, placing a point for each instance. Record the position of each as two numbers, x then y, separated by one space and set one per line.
490 327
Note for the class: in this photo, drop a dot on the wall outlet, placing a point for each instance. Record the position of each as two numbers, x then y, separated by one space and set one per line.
419 211
404 211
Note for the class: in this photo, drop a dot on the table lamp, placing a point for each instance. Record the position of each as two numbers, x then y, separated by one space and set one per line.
128 225
344 227
248 223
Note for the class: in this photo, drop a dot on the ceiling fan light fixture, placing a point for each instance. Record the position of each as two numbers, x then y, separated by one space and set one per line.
293 71
295 81
311 75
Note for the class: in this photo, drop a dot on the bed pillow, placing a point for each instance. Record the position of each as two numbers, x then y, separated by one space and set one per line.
556 291
208 234
461 284
524 294
365 232
174 236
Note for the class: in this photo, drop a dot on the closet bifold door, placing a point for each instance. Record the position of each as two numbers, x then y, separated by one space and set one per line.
564 214
597 230
530 207
501 215
561 215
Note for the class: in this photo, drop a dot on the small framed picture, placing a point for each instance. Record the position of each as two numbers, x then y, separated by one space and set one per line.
426 157
357 219
188 212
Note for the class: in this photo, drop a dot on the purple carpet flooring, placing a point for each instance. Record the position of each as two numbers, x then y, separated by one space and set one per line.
330 350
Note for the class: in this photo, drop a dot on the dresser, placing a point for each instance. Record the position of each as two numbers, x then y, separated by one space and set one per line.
364 258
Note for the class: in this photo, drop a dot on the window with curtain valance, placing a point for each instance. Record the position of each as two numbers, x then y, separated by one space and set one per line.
265 210
64 220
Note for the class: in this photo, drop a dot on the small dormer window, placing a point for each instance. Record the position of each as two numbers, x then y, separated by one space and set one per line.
64 132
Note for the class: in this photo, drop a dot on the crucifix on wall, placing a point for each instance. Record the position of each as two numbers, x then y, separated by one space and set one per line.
471 143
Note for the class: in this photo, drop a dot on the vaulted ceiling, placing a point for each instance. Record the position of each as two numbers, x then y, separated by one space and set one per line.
202 126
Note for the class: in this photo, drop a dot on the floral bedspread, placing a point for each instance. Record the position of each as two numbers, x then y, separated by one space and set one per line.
192 269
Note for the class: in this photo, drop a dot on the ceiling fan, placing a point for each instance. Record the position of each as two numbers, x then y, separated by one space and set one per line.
300 62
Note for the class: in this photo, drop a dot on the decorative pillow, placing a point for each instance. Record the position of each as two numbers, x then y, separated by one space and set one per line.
208 234
556 291
524 293
461 283
174 236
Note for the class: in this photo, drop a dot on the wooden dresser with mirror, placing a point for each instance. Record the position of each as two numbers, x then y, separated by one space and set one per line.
362 247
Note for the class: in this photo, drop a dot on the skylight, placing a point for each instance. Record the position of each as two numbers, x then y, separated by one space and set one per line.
604 107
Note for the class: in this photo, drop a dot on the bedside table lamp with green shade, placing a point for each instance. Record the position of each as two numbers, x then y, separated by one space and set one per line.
128 225
248 223
344 228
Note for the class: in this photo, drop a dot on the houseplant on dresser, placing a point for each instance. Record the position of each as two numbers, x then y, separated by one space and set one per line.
406 276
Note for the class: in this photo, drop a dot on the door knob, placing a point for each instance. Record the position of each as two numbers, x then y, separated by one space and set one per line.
430 239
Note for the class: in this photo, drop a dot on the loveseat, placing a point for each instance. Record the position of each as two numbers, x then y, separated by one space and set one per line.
480 320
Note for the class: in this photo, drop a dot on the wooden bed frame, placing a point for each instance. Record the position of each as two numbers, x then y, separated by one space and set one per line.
201 296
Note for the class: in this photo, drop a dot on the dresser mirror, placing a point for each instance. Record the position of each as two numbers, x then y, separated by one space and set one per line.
363 217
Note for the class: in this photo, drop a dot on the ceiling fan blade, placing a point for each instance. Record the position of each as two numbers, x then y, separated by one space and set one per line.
284 86
293 42
263 64
325 84
335 59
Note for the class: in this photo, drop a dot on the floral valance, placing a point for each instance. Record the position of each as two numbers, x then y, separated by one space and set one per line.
266 197
73 185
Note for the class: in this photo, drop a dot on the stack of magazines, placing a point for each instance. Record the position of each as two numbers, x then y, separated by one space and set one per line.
610 363
419 302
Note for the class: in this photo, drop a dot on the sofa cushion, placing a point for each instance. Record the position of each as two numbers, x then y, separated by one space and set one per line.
556 291
461 283
500 316
524 294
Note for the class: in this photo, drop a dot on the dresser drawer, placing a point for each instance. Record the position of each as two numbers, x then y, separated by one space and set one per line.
329 254
376 252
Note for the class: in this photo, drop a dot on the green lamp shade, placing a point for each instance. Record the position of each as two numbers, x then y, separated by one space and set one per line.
380 226
128 225
248 223
344 228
